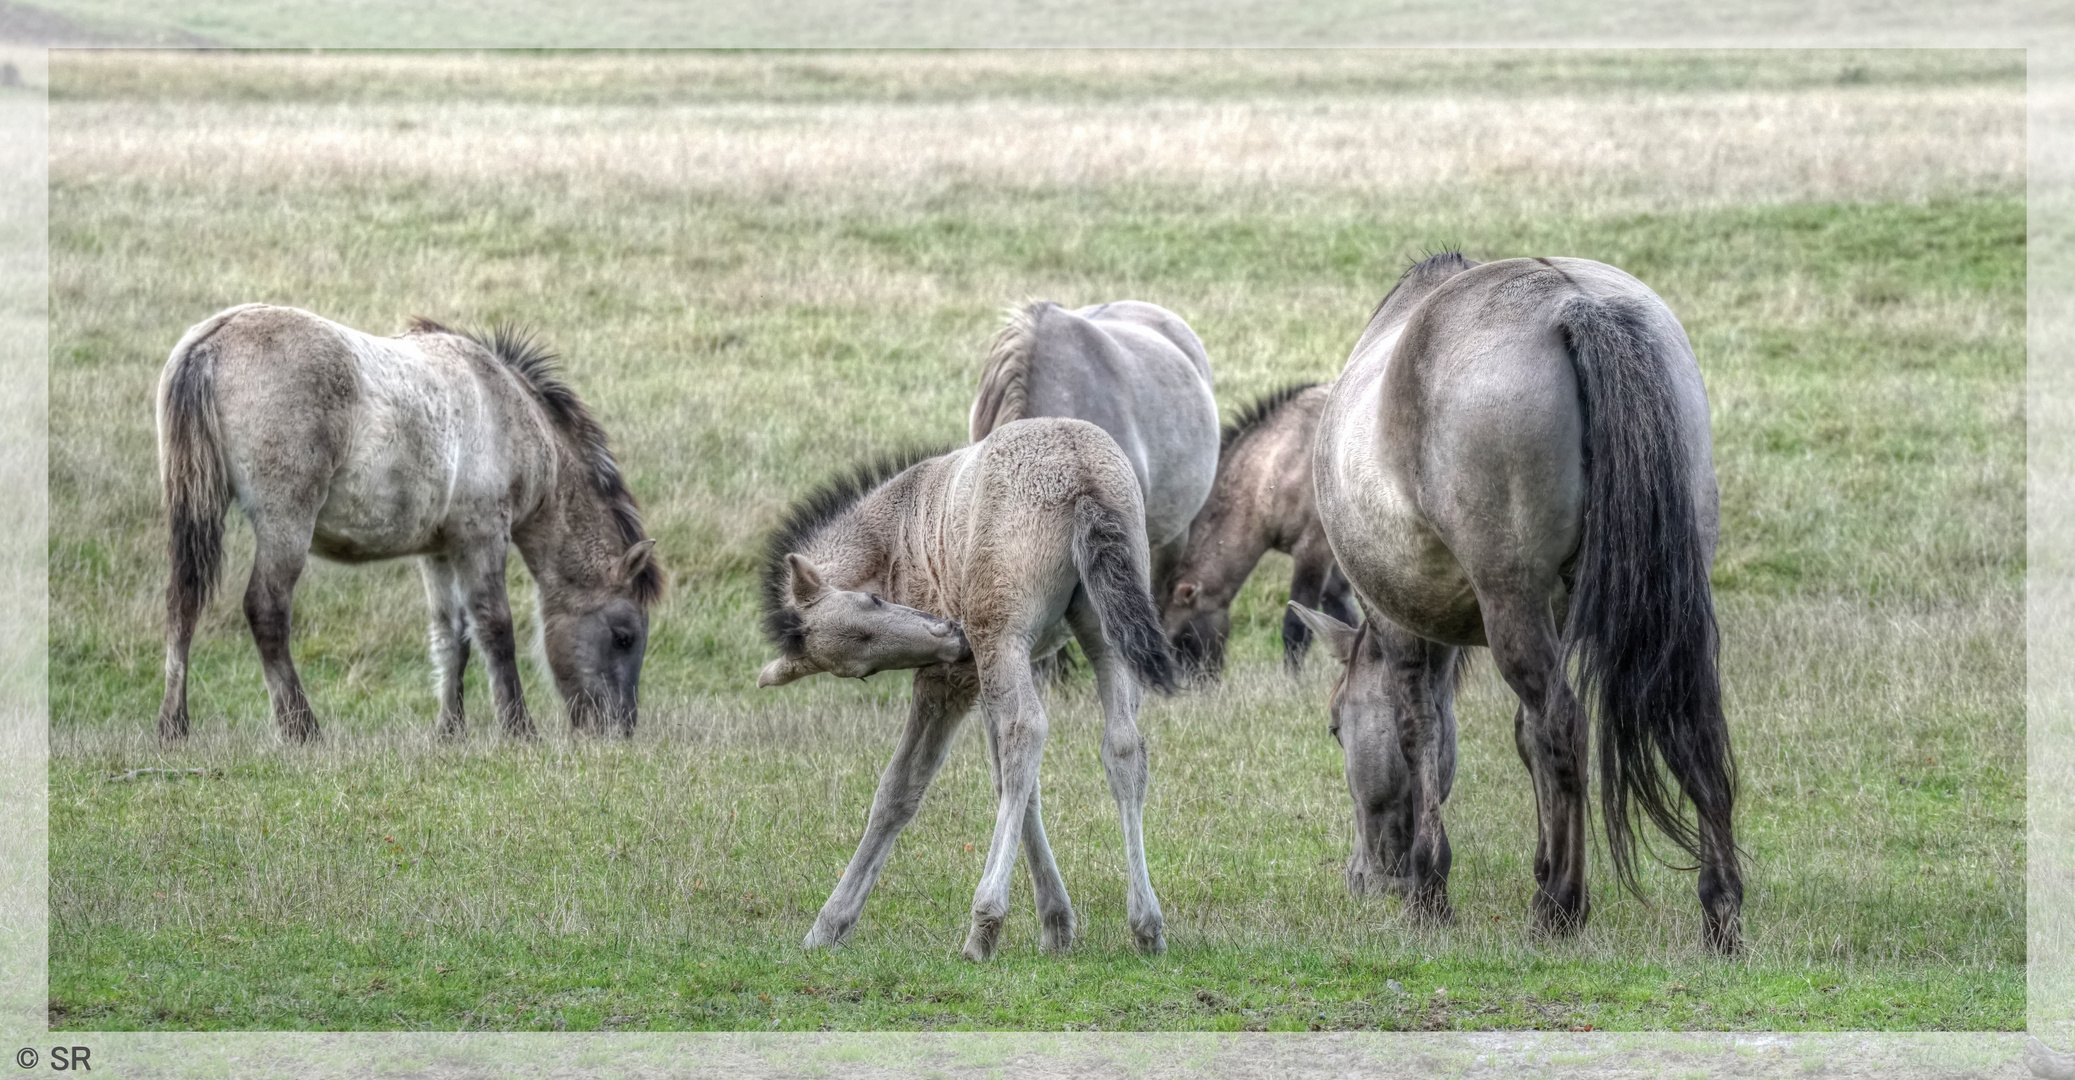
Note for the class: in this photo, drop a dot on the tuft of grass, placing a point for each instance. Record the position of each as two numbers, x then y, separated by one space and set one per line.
743 328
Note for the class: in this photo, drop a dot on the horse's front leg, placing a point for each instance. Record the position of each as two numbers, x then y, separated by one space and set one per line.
1016 725
1055 908
490 623
448 603
1312 561
940 700
1417 670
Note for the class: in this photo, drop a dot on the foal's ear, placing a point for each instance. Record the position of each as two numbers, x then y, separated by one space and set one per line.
1338 636
783 670
807 586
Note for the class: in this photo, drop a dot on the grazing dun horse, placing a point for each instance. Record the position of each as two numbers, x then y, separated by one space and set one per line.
446 447
1261 502
964 566
1136 371
1517 455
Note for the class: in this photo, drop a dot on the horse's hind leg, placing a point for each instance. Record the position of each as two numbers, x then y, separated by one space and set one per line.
183 609
282 547
449 632
1124 761
1549 731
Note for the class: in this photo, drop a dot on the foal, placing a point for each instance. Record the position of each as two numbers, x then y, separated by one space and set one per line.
445 447
964 566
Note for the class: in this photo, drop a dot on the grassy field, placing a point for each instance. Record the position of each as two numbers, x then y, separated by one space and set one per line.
763 267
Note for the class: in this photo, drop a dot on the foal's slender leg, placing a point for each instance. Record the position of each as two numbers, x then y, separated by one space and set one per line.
1418 669
490 624
1055 907
1551 735
283 546
1124 762
1015 715
449 605
939 702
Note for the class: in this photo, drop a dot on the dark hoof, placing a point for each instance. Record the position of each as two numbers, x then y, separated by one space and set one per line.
1560 916
1724 937
1431 908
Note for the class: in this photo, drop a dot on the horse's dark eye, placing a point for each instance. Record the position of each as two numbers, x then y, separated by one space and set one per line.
622 639
876 602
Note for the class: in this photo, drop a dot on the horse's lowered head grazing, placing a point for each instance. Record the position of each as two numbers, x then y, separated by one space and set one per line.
595 640
851 634
1197 628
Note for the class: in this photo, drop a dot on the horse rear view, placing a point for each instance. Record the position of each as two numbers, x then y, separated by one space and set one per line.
1136 371
1517 455
441 446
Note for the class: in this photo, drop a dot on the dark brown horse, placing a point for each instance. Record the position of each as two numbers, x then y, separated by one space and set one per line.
1261 501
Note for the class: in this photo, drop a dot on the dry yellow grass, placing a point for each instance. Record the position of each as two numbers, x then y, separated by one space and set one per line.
1568 153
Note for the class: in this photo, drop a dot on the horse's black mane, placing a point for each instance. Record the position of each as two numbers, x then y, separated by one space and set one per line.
539 368
1258 411
806 518
1441 265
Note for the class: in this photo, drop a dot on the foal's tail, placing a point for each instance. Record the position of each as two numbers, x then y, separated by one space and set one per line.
1642 620
1005 381
1113 569
191 468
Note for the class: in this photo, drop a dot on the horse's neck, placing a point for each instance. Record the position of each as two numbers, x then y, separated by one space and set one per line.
889 544
851 552
1237 532
569 543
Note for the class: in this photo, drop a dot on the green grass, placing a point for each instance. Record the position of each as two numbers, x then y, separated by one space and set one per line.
1864 357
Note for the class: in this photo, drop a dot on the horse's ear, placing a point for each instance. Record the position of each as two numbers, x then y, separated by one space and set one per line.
1338 636
783 670
635 560
807 586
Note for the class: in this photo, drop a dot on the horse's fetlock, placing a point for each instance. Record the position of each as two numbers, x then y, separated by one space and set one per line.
984 939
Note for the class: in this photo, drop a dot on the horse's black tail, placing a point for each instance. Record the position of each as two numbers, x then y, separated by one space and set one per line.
1005 380
191 469
1113 569
1641 628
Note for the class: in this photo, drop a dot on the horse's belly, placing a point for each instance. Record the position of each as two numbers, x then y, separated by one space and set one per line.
394 498
1412 579
374 520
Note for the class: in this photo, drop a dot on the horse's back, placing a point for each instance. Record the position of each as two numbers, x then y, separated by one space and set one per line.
1139 373
377 439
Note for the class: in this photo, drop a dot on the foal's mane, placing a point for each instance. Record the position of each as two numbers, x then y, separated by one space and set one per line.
805 519
539 369
1257 413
